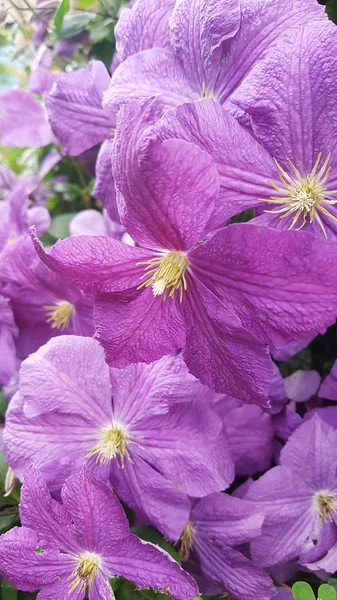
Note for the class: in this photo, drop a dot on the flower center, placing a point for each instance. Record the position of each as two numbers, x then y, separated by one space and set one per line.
325 502
304 197
186 540
60 314
112 443
167 274
88 565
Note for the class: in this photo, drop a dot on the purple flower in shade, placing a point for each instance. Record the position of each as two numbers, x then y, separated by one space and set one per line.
8 333
302 141
213 47
298 498
153 439
206 296
287 352
218 524
70 548
23 120
43 303
42 76
328 389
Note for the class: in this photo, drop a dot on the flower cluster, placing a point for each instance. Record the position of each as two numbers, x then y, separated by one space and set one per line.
142 355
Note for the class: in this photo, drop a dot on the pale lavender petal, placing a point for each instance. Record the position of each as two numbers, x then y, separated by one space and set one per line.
40 218
328 389
198 31
149 566
23 120
311 454
25 568
75 108
219 352
151 496
144 25
302 385
165 190
88 222
248 266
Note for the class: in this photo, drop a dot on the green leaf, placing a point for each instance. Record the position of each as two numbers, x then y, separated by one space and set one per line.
326 592
8 518
59 227
84 4
76 23
8 591
333 582
149 534
3 404
302 591
60 14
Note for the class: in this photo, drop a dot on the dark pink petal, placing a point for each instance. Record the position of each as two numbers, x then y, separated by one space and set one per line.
282 285
149 566
99 520
153 72
75 108
165 190
151 496
311 454
262 24
95 263
220 352
198 30
27 569
144 25
23 120
136 326
193 452
243 164
328 389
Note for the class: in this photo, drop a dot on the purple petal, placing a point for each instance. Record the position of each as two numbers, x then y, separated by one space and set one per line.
8 333
75 108
60 589
23 120
149 566
219 352
101 589
88 222
287 352
153 72
328 389
25 568
244 165
277 392
165 191
327 413
151 496
198 31
248 266
302 385
136 326
311 454
99 520
285 423
95 263
144 25
104 188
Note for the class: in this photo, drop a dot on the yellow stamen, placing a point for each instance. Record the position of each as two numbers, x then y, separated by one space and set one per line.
325 503
167 274
112 443
186 540
303 195
87 566
60 315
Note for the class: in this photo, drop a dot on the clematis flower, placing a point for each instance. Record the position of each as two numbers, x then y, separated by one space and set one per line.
214 46
328 389
298 498
218 524
155 442
23 120
8 333
44 305
212 296
70 548
302 142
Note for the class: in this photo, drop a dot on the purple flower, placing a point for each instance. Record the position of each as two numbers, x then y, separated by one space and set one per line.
302 385
211 296
214 46
23 120
8 333
302 140
328 389
157 441
298 498
43 303
70 548
218 524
